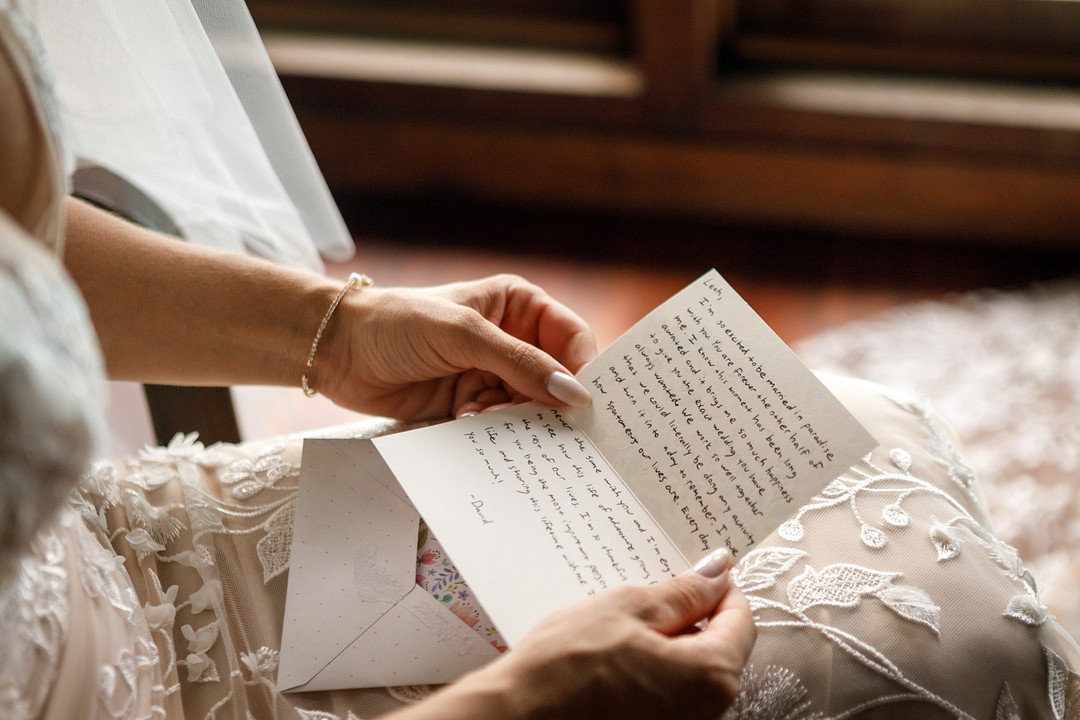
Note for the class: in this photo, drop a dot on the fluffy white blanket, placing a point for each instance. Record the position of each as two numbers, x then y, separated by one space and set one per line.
1004 369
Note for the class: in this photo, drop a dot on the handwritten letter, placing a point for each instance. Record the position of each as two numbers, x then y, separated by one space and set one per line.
713 423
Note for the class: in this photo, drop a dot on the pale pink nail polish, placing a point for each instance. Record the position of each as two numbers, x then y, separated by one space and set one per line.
568 390
714 564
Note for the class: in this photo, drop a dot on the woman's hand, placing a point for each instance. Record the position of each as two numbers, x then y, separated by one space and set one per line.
452 349
629 652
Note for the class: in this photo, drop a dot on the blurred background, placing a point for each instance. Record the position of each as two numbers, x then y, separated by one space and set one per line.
929 120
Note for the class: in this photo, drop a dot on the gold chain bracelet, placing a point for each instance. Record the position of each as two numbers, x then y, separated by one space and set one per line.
355 279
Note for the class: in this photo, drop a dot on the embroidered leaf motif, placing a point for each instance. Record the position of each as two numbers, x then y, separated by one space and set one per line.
247 489
846 486
232 477
265 463
1027 609
1058 673
901 459
839 488
243 465
141 541
873 538
236 471
792 531
840 584
896 516
947 541
204 515
913 604
279 471
945 551
274 547
1072 696
1006 707
1007 557
761 568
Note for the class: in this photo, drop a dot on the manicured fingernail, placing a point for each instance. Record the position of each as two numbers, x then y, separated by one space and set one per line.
467 414
714 564
568 390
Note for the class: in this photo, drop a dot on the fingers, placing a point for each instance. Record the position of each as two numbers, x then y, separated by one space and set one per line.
676 604
535 374
475 392
731 628
635 652
532 342
723 648
559 331
706 592
566 336
526 368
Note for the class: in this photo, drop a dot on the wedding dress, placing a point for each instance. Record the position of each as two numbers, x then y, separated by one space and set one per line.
154 586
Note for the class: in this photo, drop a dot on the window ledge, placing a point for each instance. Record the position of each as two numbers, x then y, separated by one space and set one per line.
931 99
453 66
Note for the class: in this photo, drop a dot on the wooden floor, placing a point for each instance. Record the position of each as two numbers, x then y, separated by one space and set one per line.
613 270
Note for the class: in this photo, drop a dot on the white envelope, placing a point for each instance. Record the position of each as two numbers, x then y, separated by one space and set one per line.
354 615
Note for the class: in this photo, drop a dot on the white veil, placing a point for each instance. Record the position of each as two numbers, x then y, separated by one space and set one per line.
175 102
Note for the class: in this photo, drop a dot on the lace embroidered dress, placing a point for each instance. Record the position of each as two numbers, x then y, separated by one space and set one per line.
157 588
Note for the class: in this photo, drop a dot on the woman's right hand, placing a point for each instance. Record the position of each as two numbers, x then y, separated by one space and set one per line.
628 652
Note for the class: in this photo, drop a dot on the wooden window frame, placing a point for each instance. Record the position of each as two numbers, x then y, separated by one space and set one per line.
1022 39
685 112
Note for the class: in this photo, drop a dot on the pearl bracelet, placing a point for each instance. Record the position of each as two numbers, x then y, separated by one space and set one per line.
355 279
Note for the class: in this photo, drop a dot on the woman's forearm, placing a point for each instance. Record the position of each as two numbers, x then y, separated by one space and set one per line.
170 312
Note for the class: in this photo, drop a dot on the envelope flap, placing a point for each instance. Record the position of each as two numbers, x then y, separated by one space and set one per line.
353 554
418 642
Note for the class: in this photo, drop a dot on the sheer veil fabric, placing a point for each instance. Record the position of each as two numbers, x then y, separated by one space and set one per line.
178 99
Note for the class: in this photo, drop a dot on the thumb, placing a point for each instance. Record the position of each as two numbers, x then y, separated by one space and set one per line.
686 599
527 369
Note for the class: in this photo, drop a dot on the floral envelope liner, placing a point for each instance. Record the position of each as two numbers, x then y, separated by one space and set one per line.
438 576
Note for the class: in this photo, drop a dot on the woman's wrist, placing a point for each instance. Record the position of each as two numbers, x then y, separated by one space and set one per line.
493 692
167 311
330 336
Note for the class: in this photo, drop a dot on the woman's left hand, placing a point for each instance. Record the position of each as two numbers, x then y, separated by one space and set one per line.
453 349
